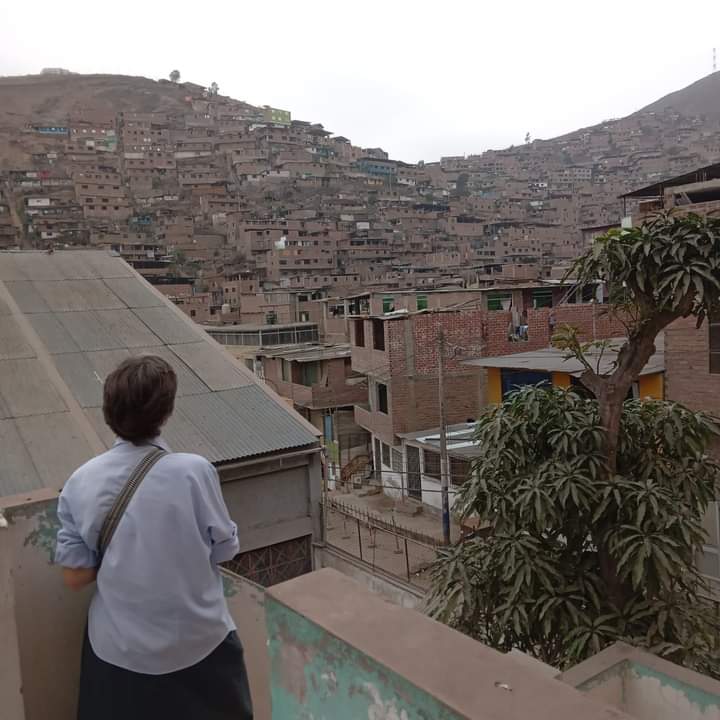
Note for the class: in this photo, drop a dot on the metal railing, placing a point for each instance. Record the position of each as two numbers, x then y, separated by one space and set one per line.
394 549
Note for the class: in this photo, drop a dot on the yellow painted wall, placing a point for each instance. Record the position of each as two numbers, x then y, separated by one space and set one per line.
561 379
652 386
494 386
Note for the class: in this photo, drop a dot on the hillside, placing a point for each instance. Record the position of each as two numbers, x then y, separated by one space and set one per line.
700 99
47 97
180 179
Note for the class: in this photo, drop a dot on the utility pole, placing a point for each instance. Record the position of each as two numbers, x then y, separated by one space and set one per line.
444 469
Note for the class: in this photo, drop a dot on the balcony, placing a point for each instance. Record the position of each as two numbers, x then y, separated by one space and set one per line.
374 422
322 646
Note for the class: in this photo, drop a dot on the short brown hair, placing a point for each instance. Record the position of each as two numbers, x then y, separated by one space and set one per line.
139 396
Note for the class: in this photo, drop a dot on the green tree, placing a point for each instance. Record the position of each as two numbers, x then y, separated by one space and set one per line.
175 76
667 268
536 582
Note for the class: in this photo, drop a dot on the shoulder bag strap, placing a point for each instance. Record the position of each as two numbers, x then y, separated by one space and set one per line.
117 510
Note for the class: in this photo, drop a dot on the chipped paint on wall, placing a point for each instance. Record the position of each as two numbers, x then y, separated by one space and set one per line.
650 687
45 527
316 676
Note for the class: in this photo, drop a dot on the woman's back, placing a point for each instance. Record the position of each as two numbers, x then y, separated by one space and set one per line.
159 604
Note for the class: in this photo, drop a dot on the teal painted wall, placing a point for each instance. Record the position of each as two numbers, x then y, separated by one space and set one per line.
316 676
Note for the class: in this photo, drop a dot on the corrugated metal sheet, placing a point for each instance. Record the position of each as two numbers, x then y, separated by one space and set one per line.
88 331
272 424
127 328
27 297
134 292
166 324
90 310
17 472
78 295
79 375
234 424
52 333
216 370
35 267
12 340
188 382
55 444
26 390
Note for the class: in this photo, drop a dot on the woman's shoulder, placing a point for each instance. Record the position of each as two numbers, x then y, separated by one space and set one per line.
189 462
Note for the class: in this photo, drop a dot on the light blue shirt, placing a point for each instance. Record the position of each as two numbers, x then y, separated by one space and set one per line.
159 604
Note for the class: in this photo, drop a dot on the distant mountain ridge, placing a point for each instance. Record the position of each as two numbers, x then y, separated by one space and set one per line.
55 97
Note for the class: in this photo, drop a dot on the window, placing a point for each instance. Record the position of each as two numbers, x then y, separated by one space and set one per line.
382 398
459 470
431 461
714 340
359 332
708 560
271 318
386 455
396 460
304 316
378 327
388 304
542 297
499 300
421 302
308 373
285 370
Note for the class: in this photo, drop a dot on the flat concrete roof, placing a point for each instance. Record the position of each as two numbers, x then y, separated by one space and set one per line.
460 440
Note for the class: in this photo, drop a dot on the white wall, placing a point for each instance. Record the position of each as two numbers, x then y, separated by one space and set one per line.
431 492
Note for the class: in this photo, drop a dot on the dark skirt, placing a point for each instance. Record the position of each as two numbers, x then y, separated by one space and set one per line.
216 688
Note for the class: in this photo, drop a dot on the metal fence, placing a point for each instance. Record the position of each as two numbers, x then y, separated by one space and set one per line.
387 546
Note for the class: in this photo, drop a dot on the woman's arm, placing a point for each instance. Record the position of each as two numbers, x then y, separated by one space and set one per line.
78 561
78 578
215 519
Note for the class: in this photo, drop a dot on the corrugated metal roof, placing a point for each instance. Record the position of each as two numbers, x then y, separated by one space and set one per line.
66 320
309 353
555 360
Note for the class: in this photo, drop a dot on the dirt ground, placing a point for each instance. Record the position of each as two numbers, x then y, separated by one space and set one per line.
383 549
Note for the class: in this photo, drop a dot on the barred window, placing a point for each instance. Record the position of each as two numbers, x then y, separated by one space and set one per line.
431 460
386 455
397 460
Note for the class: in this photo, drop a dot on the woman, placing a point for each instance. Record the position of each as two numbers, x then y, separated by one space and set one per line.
160 641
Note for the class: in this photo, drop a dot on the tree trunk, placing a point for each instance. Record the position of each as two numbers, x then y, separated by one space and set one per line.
610 402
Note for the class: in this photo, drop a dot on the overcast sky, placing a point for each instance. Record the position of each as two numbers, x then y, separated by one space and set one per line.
420 79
